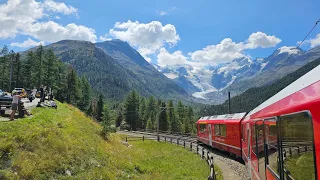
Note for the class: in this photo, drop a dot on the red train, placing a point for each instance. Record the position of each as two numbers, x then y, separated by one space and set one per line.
279 139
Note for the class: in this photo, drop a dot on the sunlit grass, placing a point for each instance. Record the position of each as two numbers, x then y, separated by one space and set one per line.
301 167
65 144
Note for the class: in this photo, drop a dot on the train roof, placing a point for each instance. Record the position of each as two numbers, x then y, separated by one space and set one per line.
236 116
306 80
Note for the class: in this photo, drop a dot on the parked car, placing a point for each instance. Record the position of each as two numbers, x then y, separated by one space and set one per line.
5 99
21 92
38 94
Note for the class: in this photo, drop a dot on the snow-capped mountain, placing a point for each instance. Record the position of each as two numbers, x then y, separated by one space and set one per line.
239 74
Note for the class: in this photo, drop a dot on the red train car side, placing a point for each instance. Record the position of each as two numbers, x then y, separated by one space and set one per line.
280 139
221 132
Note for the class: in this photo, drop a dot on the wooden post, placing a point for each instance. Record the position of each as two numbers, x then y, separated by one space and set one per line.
306 148
290 152
298 150
178 141
165 139
126 139
184 144
190 146
202 154
142 138
197 148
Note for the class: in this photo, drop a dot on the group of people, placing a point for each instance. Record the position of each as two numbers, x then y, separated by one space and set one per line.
44 91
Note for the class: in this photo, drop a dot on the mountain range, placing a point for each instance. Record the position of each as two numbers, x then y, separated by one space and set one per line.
114 68
214 82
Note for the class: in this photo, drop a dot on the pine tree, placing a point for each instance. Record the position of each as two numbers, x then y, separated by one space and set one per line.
73 91
85 92
11 69
174 125
4 59
17 71
119 119
100 108
189 125
132 110
106 122
142 114
181 115
163 121
39 64
50 68
149 124
90 110
151 110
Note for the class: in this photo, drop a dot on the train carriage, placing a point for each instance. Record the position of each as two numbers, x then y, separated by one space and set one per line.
221 132
287 125
280 139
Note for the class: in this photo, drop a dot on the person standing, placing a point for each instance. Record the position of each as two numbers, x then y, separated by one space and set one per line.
34 91
14 106
41 94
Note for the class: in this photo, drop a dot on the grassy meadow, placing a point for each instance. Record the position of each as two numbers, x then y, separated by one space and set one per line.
65 144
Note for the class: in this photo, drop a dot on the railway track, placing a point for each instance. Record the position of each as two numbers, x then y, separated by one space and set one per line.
232 168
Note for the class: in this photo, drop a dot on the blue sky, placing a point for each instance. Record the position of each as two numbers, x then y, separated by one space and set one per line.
185 31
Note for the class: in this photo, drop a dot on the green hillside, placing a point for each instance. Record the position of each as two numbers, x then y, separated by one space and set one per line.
65 144
115 73
253 97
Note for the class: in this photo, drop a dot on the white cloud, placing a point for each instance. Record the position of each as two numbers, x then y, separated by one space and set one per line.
162 13
59 7
315 41
147 38
57 17
103 38
165 58
227 50
24 16
166 12
51 32
260 39
18 14
26 44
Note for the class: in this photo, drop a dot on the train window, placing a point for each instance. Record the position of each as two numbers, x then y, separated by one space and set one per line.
260 148
220 130
202 128
271 135
296 132
217 130
223 130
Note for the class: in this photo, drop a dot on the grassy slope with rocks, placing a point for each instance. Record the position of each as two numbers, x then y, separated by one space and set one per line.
65 144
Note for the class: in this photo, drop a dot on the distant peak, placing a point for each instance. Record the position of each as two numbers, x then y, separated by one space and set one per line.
118 40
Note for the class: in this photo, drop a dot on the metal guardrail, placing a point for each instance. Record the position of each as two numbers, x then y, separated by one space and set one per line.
189 143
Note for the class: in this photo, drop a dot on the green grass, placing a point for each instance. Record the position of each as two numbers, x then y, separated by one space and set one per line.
301 167
54 142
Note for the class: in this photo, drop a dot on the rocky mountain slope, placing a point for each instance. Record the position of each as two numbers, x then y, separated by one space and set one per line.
213 82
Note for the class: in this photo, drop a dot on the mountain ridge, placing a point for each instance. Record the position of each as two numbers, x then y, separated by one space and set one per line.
242 73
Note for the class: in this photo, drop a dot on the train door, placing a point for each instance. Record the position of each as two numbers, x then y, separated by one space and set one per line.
249 149
210 134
